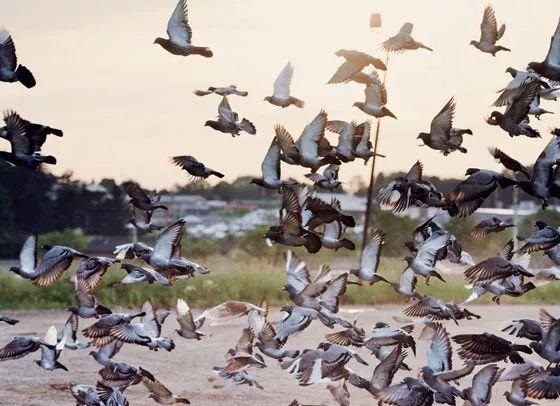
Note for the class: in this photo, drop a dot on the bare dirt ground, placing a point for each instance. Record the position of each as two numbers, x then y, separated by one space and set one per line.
187 369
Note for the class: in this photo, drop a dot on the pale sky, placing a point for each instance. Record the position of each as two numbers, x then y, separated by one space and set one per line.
126 105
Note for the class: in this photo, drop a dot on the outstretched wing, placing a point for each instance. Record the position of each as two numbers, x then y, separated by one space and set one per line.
178 28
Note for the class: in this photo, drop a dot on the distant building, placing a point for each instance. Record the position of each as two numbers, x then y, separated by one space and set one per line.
186 205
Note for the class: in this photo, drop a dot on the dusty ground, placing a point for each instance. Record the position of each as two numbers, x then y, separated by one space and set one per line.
187 369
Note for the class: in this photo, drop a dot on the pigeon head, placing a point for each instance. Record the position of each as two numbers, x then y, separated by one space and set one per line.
159 40
324 346
474 43
495 118
423 136
212 124
471 171
359 105
533 66
211 88
287 309
274 235
46 247
268 98
511 71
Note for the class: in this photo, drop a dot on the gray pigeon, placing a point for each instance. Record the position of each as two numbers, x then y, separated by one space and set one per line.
228 121
222 91
485 348
188 327
270 169
355 62
69 334
544 238
138 274
403 41
490 34
489 225
140 199
88 305
10 70
328 180
369 261
180 33
550 67
281 96
196 169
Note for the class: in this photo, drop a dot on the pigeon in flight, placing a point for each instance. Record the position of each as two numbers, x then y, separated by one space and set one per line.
270 169
222 91
196 169
514 120
489 225
10 70
550 67
355 62
328 180
376 99
490 34
180 34
281 96
403 41
25 147
442 135
519 78
228 121
140 199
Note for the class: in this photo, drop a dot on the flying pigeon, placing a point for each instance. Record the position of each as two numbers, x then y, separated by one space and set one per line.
375 98
196 169
10 70
180 34
355 62
490 34
222 91
550 67
281 96
228 121
403 41
270 169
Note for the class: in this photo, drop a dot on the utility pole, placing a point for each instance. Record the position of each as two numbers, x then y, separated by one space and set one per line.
372 174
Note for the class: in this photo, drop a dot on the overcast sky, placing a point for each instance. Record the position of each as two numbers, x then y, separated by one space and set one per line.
126 105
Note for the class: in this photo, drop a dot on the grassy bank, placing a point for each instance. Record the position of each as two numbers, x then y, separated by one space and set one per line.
236 276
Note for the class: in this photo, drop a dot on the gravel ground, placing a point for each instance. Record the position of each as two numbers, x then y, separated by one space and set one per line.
187 370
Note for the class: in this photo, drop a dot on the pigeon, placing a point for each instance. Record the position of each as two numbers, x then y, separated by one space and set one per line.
403 41
355 62
35 133
442 135
306 151
382 374
8 320
431 308
439 381
69 334
326 362
514 286
100 330
99 395
158 392
369 261
514 87
116 374
547 347
227 311
541 384
480 393
386 335
24 147
140 199
52 266
290 232
264 332
222 91
281 96
325 213
405 191
333 237
352 336
411 392
188 327
19 347
550 67
93 269
88 305
345 131
50 353
407 284
470 194
228 121
166 257
270 169
490 225
514 120
517 374
340 393
147 332
136 274
424 261
552 93
497 267
544 238
10 70
485 348
328 180
196 169
142 220
508 162
542 179
490 34
526 328
180 34
298 319
375 99
535 108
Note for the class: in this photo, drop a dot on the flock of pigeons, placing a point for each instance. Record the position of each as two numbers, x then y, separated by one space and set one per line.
307 221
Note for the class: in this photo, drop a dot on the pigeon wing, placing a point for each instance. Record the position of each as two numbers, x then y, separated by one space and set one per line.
178 28
283 82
